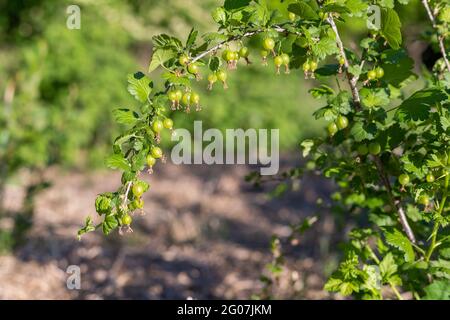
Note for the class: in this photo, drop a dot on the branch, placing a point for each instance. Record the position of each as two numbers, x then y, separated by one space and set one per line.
395 203
356 99
351 79
125 200
440 37
277 28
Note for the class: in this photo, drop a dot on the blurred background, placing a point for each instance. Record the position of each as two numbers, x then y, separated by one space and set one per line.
206 232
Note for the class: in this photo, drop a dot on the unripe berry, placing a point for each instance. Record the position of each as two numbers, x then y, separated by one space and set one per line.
379 72
430 178
371 75
172 96
332 129
157 126
186 99
137 189
212 78
150 160
374 148
342 122
363 150
156 152
195 98
183 59
193 68
292 16
403 179
178 95
138 203
222 76
286 59
278 61
424 199
126 220
306 66
244 52
168 123
226 54
269 44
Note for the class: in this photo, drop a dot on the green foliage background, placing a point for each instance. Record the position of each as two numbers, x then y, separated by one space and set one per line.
67 81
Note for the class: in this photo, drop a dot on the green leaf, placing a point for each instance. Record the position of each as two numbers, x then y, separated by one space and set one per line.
307 146
325 47
303 10
335 7
235 4
397 67
177 80
321 91
125 116
214 64
445 122
159 57
327 70
164 41
214 37
361 131
372 98
109 224
438 290
357 7
139 86
191 38
418 106
103 204
88 227
388 267
117 161
219 15
139 160
396 239
391 27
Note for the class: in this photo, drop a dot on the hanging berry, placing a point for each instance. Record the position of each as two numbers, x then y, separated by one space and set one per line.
222 76
264 54
278 61
212 78
286 61
195 100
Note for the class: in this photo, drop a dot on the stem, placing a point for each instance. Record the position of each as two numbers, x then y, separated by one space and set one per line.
440 37
247 34
125 200
377 261
395 203
351 80
357 101
399 297
436 223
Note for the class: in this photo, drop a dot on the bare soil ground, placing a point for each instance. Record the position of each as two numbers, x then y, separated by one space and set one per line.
205 234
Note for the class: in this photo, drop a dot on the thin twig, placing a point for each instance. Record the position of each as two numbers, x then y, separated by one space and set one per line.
394 202
352 81
277 28
124 204
440 37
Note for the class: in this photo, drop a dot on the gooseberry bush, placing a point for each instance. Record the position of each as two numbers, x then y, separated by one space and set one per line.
387 144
